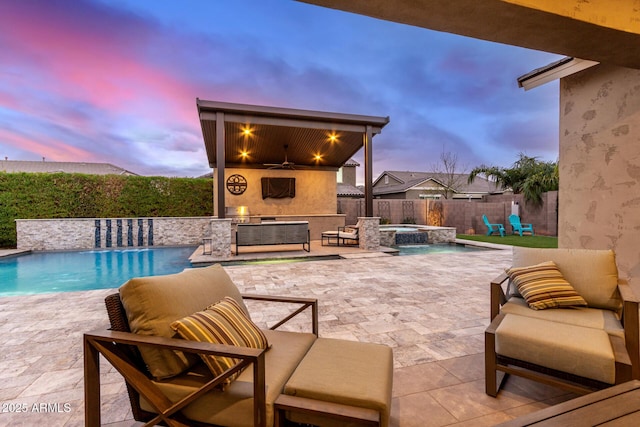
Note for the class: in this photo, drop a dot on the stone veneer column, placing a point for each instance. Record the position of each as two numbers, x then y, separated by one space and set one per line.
221 237
369 233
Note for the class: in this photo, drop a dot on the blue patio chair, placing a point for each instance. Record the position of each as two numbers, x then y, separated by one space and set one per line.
518 227
493 228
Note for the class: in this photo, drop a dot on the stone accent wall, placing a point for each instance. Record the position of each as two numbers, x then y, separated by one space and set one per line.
442 235
92 233
387 238
369 233
220 237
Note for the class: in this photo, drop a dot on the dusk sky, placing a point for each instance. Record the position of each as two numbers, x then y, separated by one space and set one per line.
116 81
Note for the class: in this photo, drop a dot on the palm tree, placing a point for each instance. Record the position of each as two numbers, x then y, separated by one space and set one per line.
528 176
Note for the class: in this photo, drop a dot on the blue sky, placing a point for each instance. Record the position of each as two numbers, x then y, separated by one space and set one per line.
116 81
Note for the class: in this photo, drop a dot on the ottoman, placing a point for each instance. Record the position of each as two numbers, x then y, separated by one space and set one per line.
339 383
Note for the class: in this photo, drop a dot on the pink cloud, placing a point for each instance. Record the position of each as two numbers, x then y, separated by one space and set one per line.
45 146
102 64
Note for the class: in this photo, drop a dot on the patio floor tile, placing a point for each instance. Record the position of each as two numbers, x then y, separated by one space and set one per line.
431 309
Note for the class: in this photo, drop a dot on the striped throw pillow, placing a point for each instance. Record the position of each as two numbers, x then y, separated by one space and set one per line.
543 286
221 323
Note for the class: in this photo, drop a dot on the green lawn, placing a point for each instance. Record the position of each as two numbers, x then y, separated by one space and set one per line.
526 240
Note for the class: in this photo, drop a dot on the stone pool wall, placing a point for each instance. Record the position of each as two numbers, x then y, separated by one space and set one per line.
424 234
94 233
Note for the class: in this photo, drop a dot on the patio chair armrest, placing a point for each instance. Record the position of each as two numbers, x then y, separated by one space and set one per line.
187 346
498 298
631 323
304 302
106 342
626 292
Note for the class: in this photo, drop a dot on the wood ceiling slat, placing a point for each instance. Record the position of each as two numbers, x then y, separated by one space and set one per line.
265 144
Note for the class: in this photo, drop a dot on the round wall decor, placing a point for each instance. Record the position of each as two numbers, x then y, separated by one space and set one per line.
236 184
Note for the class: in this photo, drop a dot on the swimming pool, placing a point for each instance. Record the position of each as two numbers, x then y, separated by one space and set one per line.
44 272
435 249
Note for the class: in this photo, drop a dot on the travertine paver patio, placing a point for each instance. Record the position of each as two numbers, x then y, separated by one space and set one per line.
432 309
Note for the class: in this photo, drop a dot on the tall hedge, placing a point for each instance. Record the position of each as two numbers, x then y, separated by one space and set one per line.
62 195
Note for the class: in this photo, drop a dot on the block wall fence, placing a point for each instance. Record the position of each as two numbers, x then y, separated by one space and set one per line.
465 216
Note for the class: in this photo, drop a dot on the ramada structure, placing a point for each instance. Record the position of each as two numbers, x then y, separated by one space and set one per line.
281 163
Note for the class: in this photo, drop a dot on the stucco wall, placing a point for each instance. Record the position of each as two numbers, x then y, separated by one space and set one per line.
315 192
600 164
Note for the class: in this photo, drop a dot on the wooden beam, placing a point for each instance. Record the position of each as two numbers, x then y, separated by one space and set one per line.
220 163
368 171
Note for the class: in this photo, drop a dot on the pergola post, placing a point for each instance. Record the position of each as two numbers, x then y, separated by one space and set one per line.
220 162
367 139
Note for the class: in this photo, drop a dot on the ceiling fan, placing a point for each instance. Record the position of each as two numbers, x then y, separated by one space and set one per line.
284 165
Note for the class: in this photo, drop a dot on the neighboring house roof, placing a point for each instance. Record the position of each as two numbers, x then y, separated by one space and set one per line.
351 162
13 166
403 181
348 190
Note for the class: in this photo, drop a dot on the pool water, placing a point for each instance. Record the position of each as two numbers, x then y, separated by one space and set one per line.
43 272
435 249
400 229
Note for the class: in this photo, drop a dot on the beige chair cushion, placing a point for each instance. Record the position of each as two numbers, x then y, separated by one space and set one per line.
543 286
234 406
586 352
595 318
221 323
343 372
592 273
153 303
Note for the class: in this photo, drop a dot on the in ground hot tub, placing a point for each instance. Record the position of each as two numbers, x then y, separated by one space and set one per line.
410 234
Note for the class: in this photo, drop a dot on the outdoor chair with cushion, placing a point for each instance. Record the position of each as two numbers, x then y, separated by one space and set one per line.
518 227
190 355
565 319
347 236
493 228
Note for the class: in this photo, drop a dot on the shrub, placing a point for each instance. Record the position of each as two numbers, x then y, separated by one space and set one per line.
62 195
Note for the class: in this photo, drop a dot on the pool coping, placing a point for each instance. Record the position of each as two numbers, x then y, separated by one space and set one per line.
6 253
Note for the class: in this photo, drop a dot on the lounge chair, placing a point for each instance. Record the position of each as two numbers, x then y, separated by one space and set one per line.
565 319
289 375
347 235
518 227
493 228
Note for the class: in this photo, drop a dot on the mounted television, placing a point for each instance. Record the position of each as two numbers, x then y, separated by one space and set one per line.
278 188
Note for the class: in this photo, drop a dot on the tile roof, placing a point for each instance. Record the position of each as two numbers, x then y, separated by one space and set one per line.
348 190
13 166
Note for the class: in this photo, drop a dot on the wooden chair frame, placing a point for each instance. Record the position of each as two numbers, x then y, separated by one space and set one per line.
627 351
120 349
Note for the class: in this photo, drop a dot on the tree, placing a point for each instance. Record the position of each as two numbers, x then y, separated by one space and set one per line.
528 176
450 174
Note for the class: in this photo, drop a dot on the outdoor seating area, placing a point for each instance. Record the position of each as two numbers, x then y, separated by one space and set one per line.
493 228
430 309
518 227
250 374
566 319
345 236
